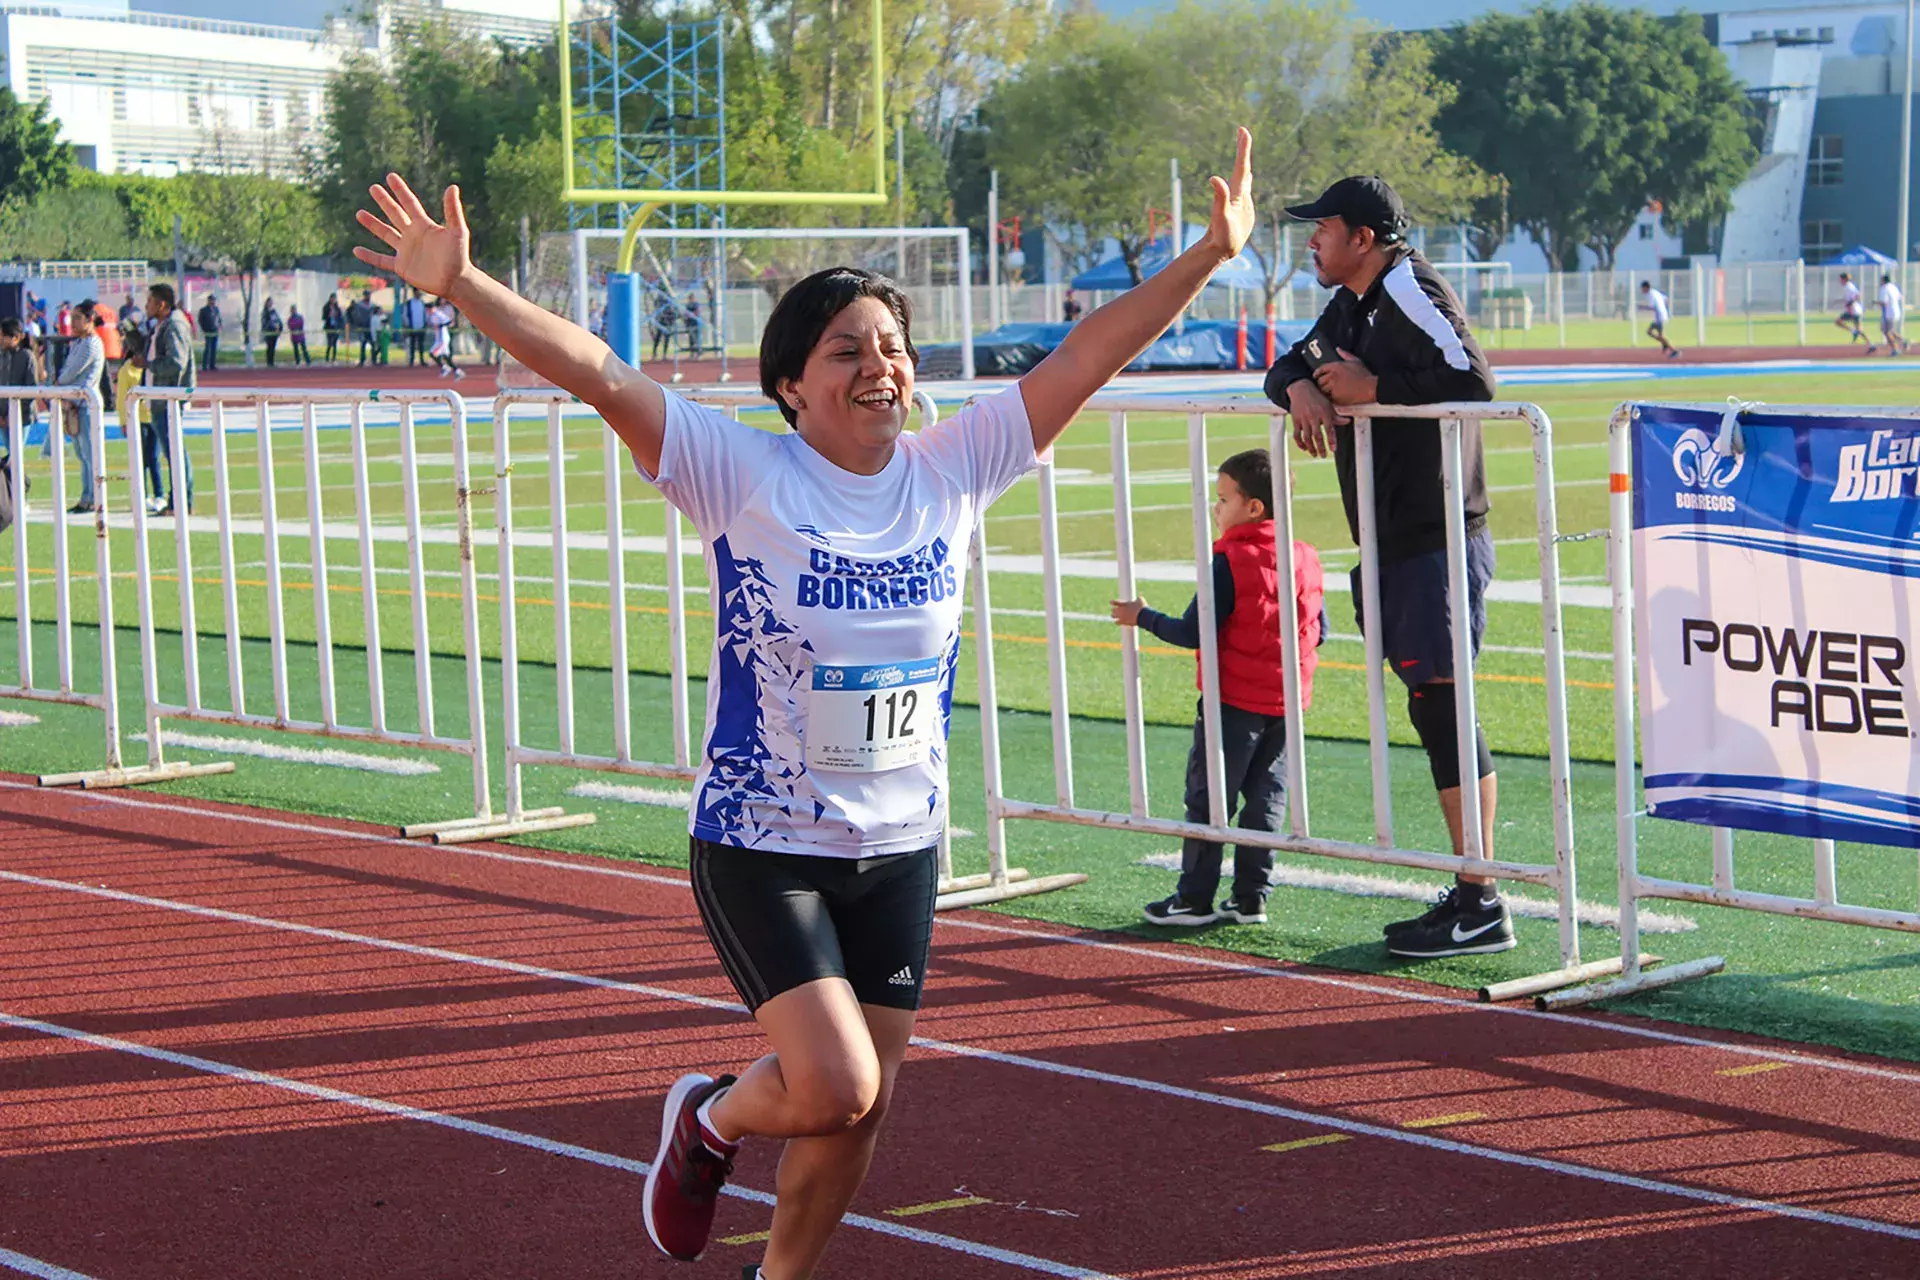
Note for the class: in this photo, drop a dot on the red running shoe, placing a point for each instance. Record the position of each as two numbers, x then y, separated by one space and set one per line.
687 1174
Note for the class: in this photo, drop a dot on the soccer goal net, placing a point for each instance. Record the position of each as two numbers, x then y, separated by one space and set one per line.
706 294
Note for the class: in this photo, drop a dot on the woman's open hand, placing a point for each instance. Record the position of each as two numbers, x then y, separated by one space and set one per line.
1232 220
428 255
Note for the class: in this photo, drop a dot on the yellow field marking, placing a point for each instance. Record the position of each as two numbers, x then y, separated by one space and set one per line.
1325 1139
595 606
1436 1122
1753 1070
937 1206
757 1237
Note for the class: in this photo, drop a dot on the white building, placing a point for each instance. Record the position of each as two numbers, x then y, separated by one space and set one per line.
194 84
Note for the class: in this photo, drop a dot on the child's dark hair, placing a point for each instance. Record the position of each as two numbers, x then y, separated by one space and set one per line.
1252 470
803 314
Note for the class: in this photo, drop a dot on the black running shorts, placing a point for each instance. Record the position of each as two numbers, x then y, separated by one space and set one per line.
778 920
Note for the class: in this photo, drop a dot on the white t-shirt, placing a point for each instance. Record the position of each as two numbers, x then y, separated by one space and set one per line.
1658 301
825 584
1890 301
1850 299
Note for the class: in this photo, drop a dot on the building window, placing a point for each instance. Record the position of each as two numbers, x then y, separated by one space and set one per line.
1824 161
1819 239
1646 231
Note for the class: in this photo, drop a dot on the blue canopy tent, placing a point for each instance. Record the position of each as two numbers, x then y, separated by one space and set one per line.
1861 256
1242 273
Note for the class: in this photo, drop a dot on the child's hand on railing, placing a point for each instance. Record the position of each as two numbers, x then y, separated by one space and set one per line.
1127 612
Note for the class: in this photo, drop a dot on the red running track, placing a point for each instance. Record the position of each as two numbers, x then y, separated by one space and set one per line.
248 1044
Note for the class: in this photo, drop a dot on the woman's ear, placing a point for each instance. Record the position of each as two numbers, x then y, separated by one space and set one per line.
790 392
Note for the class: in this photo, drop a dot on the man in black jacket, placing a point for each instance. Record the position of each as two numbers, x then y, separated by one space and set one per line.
1394 334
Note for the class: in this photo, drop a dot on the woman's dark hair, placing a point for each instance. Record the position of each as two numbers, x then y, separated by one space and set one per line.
1253 472
803 314
10 328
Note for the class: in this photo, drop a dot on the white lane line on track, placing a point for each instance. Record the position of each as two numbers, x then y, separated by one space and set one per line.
1168 957
549 1146
35 1267
1339 1123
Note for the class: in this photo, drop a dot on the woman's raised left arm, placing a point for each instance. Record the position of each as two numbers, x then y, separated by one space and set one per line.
1108 340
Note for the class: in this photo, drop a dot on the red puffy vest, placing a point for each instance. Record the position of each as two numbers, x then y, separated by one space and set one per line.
1249 645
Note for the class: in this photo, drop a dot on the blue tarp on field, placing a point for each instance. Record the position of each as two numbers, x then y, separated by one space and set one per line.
1012 349
1242 273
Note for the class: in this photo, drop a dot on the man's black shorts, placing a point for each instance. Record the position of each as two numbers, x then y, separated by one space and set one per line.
1413 606
778 920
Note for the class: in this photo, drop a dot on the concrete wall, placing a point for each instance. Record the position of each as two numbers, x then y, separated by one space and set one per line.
1866 203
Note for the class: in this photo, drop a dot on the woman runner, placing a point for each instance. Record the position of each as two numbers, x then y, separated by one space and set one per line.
837 554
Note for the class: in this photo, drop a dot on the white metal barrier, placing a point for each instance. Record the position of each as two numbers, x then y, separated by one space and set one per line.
1001 882
1635 887
261 406
64 400
1558 876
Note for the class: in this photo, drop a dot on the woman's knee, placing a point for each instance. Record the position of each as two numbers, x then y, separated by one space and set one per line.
839 1099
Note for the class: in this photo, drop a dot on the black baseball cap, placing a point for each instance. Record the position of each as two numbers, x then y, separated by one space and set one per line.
1361 202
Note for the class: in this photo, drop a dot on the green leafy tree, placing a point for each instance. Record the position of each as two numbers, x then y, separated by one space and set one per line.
249 222
32 157
1593 114
1325 96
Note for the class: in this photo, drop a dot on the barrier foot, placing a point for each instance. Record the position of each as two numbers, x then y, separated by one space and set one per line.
455 824
526 825
1631 986
1557 978
1000 893
102 779
958 884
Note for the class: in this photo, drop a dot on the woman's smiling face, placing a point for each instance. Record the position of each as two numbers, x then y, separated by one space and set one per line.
854 394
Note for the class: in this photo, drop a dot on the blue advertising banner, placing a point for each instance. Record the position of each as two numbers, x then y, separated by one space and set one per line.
1777 597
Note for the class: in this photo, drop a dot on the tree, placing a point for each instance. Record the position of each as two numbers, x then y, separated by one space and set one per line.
437 109
32 157
1079 136
1325 96
1594 114
248 222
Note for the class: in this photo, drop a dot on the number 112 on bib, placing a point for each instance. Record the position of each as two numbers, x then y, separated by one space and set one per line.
871 718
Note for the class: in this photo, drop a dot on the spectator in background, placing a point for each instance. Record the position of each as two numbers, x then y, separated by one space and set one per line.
19 367
169 364
86 361
210 331
333 322
1394 333
1070 308
60 333
130 310
360 324
666 320
413 323
132 370
107 329
440 316
381 328
297 335
270 327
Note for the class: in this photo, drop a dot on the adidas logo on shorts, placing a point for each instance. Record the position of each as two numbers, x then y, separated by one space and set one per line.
904 978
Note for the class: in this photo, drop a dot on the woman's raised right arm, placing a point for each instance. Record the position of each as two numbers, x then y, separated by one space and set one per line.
434 257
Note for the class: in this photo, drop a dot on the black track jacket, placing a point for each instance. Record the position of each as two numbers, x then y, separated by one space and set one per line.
1409 330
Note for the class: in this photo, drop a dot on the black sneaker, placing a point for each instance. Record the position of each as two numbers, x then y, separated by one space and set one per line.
1244 910
1177 912
1443 908
1455 928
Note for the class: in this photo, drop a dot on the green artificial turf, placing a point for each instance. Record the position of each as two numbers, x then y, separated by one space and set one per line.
1807 980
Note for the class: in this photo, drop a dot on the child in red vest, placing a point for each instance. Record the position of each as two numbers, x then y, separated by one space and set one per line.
1253 726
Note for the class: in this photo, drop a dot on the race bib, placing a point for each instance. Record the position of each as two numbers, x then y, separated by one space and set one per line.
873 718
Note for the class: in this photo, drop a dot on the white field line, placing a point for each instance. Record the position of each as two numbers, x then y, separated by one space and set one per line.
1337 1123
17 720
331 757
1182 956
531 1141
35 1267
1363 885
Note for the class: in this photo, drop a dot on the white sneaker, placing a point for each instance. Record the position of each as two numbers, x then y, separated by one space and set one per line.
458 373
156 505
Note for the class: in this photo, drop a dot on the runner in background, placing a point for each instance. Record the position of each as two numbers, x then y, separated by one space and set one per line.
1656 302
1850 312
838 555
1892 305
